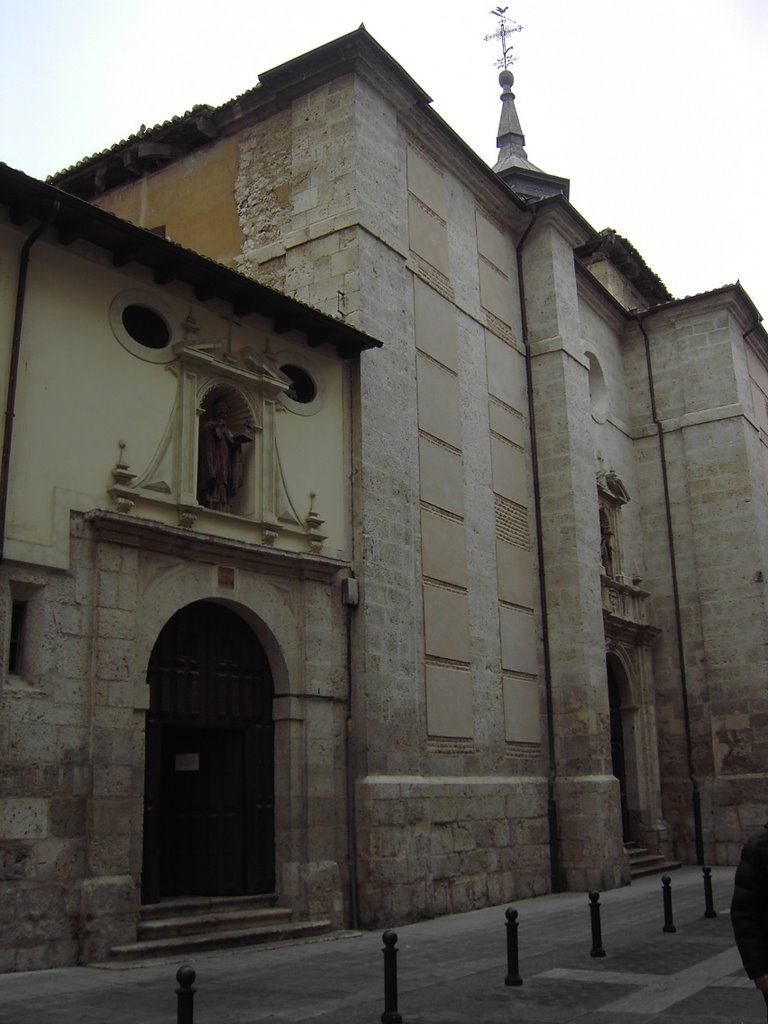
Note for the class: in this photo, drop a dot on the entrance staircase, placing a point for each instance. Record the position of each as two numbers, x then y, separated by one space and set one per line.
642 862
193 924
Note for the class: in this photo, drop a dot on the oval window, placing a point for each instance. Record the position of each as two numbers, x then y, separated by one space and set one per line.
303 389
146 326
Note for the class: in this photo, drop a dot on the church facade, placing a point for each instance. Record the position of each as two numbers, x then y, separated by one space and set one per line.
496 590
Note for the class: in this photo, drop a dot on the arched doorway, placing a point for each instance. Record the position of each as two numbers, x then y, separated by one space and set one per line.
618 760
209 782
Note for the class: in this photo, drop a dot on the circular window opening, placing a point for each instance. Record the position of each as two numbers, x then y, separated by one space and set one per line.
303 389
146 326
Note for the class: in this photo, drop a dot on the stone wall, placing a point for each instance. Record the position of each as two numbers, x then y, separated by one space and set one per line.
352 199
588 807
445 680
45 746
718 515
445 845
72 740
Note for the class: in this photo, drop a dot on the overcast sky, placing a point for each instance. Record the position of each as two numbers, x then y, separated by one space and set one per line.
656 110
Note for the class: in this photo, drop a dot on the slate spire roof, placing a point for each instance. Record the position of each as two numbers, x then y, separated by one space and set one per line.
510 140
513 165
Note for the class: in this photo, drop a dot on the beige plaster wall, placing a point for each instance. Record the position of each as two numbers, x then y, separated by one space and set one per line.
81 393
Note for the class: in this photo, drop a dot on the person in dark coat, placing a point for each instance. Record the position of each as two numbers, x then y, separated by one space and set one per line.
749 909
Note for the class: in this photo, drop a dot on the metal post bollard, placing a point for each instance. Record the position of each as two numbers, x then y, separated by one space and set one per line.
513 966
390 1015
185 994
709 906
594 914
669 924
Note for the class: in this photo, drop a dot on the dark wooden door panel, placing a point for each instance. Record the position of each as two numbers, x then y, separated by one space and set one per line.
209 792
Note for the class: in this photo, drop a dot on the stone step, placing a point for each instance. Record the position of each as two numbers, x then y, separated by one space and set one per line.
177 945
227 921
658 867
194 906
190 924
642 862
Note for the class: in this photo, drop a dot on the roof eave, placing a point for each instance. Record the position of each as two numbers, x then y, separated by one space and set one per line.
77 220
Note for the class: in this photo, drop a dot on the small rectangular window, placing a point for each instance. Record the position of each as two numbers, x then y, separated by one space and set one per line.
16 641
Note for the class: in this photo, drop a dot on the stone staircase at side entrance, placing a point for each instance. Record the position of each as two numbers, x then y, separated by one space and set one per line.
642 862
193 924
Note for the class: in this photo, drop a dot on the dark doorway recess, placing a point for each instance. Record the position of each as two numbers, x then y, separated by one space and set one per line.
209 784
617 747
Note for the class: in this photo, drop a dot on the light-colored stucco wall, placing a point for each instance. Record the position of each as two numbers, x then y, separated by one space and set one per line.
81 393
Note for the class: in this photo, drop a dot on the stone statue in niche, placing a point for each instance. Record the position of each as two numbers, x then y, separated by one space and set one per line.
220 459
606 544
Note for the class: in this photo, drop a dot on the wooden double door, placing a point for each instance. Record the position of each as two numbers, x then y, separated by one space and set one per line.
209 784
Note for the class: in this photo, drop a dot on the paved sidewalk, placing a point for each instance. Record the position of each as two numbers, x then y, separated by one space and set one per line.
450 971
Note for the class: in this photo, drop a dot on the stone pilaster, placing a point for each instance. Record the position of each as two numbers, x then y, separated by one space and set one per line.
587 793
719 517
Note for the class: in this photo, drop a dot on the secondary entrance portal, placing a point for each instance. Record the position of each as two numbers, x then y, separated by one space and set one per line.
209 786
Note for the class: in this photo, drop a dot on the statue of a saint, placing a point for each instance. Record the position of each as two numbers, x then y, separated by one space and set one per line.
220 459
606 544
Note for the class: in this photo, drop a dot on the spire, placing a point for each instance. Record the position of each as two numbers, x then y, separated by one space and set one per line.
513 165
510 140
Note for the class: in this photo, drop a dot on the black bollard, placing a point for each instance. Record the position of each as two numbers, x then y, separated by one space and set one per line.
390 1015
594 914
709 907
185 993
669 924
513 966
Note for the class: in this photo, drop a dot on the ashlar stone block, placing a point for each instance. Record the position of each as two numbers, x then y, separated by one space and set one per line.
443 550
435 324
522 716
449 702
22 818
439 408
518 641
442 482
506 372
446 624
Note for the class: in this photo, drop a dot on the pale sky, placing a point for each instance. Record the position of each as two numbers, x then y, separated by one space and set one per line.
656 110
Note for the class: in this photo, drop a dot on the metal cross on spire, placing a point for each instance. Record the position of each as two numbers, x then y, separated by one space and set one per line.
506 28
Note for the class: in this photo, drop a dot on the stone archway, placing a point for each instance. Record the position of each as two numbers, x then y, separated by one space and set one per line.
209 779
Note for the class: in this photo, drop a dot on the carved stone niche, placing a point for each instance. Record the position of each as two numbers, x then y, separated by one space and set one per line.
625 604
246 386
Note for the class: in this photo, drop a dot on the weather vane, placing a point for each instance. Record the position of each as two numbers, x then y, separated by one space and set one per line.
506 28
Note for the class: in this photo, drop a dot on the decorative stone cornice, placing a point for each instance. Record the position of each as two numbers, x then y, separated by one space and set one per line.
731 298
625 612
557 212
151 535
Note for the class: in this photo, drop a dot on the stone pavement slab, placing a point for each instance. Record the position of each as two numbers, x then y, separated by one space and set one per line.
450 971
